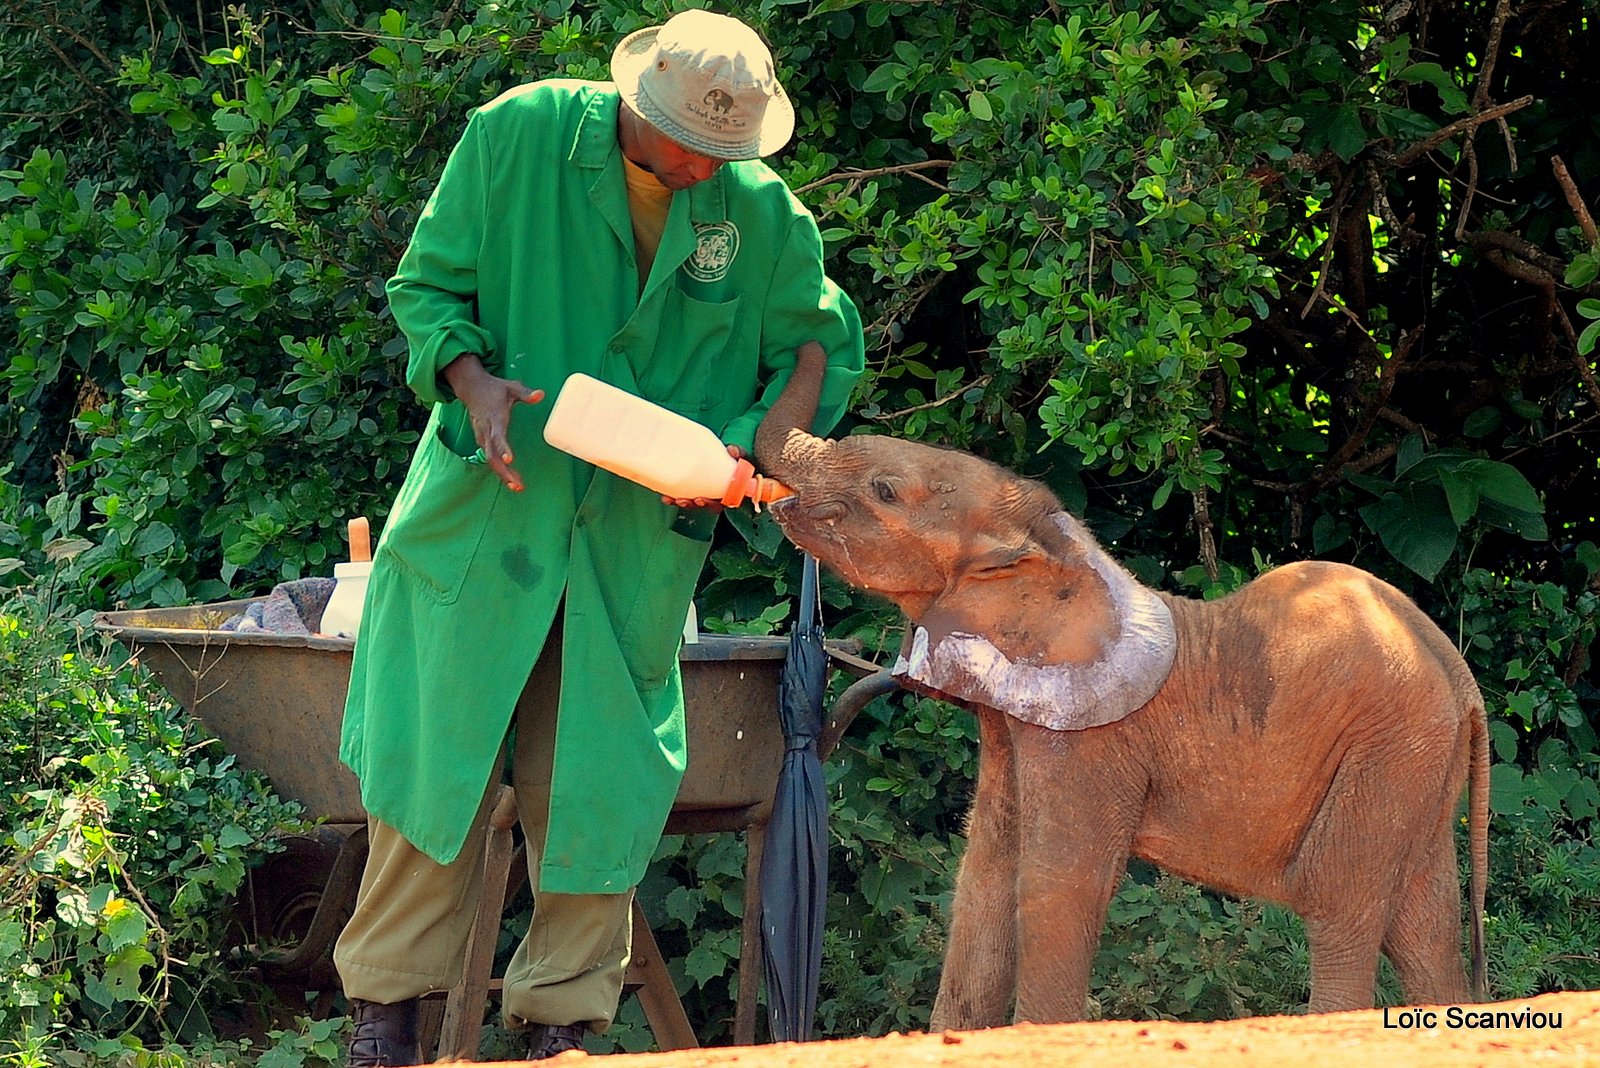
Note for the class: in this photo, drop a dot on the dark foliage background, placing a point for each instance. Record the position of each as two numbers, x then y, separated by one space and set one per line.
1243 282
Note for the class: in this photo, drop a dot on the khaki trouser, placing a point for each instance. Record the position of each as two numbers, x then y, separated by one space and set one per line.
408 934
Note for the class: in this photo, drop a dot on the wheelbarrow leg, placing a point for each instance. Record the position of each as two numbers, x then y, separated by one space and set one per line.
657 996
464 1007
750 964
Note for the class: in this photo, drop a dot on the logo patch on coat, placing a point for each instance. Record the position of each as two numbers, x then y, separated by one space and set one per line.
716 244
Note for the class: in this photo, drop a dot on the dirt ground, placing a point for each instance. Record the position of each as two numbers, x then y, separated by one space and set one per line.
1342 1040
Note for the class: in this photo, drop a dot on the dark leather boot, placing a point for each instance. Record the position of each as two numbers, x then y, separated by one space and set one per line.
385 1035
550 1040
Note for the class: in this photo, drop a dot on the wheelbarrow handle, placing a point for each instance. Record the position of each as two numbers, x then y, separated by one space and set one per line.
360 540
853 700
850 662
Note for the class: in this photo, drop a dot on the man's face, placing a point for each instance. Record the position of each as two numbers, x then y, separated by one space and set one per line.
674 166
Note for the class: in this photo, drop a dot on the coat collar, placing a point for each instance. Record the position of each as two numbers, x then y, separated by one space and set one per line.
595 147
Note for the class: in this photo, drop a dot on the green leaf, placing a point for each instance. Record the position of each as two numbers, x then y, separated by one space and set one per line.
123 967
126 927
1483 422
1583 269
153 539
1327 534
1504 738
684 905
1462 495
1416 526
283 1055
704 963
1527 524
1451 95
1507 790
1411 450
1586 339
1346 135
1503 483
73 908
1302 440
886 77
830 6
978 104
890 886
759 531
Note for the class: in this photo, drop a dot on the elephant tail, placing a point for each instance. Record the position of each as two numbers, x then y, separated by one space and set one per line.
1478 845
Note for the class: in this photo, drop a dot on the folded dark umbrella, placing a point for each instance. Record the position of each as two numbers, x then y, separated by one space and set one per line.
794 863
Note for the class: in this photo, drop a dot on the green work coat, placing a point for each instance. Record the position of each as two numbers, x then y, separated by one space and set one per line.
524 254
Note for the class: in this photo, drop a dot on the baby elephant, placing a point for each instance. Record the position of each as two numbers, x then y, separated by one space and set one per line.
1305 740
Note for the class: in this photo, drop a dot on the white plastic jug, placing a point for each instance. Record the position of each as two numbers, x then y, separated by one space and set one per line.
342 617
647 444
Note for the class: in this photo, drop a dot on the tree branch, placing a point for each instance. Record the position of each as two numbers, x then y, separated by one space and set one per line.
856 174
66 60
977 383
1208 538
1491 52
1575 201
1345 455
1486 241
1444 133
1578 359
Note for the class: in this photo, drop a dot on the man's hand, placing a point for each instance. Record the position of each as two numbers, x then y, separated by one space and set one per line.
702 502
489 401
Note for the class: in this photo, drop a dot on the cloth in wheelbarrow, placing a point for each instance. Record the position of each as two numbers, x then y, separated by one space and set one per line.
293 607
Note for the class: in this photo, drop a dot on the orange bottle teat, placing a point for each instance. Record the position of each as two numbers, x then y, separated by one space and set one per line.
746 484
645 443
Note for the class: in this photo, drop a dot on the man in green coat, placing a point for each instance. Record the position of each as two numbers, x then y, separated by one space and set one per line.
627 230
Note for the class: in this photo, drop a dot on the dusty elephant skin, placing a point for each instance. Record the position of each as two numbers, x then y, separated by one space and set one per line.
1305 740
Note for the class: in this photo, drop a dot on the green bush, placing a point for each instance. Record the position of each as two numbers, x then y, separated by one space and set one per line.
125 836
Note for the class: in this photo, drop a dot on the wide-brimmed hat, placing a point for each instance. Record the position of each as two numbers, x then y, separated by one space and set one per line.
706 81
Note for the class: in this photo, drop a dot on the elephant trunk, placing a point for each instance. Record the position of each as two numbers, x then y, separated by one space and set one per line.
782 439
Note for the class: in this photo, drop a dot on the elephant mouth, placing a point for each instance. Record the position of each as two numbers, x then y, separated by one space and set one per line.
819 518
812 530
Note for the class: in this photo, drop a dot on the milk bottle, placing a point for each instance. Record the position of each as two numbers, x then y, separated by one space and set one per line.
647 444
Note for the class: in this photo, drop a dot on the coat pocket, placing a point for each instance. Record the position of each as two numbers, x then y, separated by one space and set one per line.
654 630
441 514
685 367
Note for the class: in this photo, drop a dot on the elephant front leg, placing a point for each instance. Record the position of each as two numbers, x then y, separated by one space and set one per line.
980 963
1080 814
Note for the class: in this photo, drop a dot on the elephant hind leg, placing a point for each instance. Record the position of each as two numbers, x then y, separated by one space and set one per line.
1344 875
979 977
1344 961
1423 941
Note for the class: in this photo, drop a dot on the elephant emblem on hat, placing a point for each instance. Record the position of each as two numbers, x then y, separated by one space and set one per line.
719 100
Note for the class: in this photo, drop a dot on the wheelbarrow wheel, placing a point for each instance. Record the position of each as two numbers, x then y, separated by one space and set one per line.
293 905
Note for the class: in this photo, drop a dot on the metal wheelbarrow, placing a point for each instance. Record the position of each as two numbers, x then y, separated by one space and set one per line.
276 701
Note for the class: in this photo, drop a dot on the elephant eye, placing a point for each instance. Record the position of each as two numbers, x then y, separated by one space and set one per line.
884 489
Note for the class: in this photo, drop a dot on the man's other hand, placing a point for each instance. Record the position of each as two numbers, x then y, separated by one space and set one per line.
702 502
489 401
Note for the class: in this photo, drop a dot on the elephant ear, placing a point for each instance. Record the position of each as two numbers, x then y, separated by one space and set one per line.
1051 631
